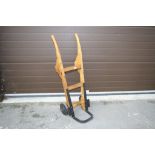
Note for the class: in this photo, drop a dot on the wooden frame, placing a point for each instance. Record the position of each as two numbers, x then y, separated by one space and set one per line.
78 66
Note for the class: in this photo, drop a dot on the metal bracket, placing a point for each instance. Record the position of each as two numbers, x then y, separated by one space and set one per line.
2 88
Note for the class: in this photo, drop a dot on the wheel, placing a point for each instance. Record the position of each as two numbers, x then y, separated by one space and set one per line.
63 109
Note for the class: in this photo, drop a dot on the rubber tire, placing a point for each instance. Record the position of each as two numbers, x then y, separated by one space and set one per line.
63 109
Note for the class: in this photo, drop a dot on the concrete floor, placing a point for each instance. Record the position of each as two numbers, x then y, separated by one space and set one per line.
107 114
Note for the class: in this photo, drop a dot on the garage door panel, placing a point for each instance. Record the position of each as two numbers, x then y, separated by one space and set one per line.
70 37
100 89
34 90
115 58
72 44
37 52
49 79
91 65
114 84
88 73
68 58
73 29
122 88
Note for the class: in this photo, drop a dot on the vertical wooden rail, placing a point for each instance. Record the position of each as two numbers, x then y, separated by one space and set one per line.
60 68
79 63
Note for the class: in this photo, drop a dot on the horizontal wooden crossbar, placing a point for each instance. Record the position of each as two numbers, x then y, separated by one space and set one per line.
75 86
70 68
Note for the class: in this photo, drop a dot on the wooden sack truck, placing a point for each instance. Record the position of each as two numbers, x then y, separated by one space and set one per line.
78 66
